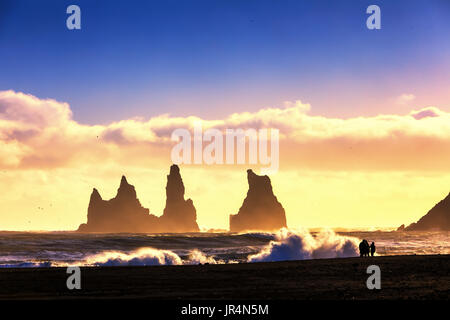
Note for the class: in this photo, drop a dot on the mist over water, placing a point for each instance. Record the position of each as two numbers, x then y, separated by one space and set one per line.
20 249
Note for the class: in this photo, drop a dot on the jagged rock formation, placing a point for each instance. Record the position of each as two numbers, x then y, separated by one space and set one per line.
438 218
179 214
261 209
124 212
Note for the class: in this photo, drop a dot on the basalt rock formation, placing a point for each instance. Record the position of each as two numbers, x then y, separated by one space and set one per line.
179 214
124 212
261 209
438 218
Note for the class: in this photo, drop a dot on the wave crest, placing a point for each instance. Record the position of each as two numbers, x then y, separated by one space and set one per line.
140 257
146 257
301 245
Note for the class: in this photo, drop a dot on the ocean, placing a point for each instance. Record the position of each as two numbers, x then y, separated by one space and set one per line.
53 249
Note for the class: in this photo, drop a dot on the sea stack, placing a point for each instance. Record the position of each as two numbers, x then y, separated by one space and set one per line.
179 214
124 212
438 218
261 209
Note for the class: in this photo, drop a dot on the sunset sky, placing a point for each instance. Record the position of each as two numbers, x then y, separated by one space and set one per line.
363 115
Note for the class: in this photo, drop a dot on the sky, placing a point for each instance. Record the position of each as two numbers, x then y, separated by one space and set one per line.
363 114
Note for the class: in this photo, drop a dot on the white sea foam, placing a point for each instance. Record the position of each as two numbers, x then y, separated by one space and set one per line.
146 257
141 257
301 245
33 250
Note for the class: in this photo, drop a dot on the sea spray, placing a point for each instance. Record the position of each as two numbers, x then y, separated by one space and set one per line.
140 257
147 257
22 250
198 257
301 245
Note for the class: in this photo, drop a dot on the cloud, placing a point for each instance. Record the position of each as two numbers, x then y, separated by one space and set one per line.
405 98
41 133
31 111
426 113
301 245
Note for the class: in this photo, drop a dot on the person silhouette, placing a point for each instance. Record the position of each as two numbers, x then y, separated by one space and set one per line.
361 249
364 248
372 249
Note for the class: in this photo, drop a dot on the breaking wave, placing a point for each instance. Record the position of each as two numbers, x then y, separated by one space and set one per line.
198 257
286 245
146 257
301 245
39 250
141 257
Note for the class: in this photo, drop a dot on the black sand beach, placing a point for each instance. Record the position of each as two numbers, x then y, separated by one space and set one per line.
402 277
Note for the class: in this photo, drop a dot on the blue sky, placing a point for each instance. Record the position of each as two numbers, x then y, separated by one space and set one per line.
211 58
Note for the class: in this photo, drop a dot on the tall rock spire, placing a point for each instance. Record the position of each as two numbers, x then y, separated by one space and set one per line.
124 212
179 214
175 186
261 209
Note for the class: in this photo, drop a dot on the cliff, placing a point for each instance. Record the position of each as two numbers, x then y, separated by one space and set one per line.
438 218
124 212
261 209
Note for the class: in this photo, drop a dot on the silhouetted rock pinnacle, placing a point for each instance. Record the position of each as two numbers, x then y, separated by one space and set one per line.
438 218
124 182
124 212
261 209
179 214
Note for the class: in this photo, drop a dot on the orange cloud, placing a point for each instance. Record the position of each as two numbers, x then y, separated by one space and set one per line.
41 133
331 169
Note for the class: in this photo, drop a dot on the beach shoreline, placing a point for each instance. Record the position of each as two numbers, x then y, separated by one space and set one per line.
402 277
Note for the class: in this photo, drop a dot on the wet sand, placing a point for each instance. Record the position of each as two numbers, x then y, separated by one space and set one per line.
402 277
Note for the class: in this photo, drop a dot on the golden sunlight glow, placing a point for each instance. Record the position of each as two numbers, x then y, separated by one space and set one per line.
360 172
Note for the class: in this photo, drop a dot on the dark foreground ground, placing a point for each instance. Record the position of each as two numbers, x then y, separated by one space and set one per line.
402 277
